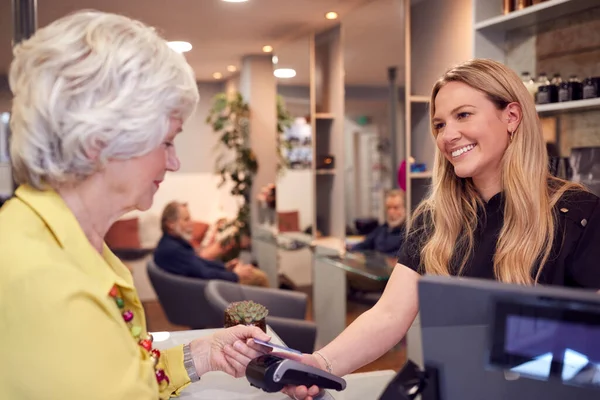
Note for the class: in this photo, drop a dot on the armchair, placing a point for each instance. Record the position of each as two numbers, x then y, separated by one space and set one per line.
287 310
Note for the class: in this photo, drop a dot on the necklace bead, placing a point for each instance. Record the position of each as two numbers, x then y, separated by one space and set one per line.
136 332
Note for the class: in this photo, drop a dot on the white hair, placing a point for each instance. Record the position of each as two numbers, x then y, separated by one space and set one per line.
90 87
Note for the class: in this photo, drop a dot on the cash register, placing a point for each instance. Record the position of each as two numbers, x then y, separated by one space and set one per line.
488 340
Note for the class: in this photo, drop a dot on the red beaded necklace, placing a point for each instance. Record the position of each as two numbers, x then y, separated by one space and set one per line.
136 332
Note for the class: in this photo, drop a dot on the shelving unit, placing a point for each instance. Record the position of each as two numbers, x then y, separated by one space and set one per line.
327 107
514 39
568 106
427 56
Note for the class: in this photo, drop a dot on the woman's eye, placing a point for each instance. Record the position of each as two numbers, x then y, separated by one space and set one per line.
168 144
438 126
463 115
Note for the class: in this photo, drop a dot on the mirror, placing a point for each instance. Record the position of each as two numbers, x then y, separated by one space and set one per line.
374 111
295 181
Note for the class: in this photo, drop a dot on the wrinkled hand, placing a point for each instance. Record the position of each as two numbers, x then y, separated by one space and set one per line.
229 350
302 392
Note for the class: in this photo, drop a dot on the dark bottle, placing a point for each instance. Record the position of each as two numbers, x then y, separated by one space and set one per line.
508 6
555 86
543 89
571 90
591 87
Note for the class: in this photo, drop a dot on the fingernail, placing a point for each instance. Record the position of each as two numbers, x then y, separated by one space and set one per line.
237 345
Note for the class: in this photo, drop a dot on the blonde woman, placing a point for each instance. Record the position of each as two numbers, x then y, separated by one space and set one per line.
98 102
494 212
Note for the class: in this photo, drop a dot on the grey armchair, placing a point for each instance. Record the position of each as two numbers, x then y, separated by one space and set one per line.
183 299
287 310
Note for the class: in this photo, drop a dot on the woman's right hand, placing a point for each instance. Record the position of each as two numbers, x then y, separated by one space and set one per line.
302 392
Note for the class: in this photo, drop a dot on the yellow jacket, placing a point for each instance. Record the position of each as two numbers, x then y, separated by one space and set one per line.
61 335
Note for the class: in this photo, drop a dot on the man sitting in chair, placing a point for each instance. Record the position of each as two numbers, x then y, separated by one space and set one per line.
387 238
175 254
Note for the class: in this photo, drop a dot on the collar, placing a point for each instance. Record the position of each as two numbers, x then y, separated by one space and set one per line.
105 268
178 239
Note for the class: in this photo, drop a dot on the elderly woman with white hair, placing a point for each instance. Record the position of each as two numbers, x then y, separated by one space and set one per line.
98 101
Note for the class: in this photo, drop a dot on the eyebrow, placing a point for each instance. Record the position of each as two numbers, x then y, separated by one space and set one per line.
455 109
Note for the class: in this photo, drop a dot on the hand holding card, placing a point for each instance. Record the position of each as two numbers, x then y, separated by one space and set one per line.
277 347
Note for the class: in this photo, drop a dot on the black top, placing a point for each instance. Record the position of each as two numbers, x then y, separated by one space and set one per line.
573 262
383 239
177 256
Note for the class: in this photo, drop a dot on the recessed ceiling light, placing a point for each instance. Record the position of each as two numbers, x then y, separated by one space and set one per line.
284 73
217 75
180 47
331 15
231 68
267 49
275 60
235 1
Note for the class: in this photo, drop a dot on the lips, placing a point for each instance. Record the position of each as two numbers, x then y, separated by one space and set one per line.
157 183
462 150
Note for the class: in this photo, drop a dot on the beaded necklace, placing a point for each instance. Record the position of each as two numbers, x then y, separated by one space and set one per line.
136 332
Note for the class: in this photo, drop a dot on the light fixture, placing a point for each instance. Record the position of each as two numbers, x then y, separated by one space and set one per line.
180 47
231 68
235 1
217 75
275 60
331 15
267 49
284 73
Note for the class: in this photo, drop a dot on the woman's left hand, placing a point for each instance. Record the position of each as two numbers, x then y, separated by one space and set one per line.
229 350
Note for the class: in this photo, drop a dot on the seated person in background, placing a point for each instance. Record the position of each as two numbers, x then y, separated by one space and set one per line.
175 254
387 238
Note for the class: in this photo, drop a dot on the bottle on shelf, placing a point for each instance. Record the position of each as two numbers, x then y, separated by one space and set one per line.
591 87
555 82
508 6
529 83
543 95
521 4
570 90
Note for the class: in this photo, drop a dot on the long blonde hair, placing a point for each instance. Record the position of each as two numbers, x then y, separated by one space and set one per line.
449 213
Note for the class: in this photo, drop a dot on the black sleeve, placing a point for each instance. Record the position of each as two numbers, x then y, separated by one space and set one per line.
583 265
410 251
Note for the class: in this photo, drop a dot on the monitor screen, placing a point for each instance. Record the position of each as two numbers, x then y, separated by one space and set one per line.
553 340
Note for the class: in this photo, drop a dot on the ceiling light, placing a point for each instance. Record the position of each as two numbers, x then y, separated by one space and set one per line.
231 68
235 1
284 73
180 47
331 15
217 75
275 60
267 49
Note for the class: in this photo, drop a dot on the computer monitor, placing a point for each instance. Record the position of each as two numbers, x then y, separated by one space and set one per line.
493 341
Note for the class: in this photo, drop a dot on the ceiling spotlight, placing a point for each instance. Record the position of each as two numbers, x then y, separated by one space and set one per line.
331 15
217 75
231 68
180 47
275 60
267 49
284 73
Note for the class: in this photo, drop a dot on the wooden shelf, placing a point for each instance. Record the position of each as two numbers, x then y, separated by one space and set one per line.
534 15
568 106
324 116
325 171
419 99
420 175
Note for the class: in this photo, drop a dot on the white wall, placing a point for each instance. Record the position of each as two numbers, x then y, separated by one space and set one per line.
295 193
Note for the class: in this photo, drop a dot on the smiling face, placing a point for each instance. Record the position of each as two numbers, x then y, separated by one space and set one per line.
471 133
136 180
